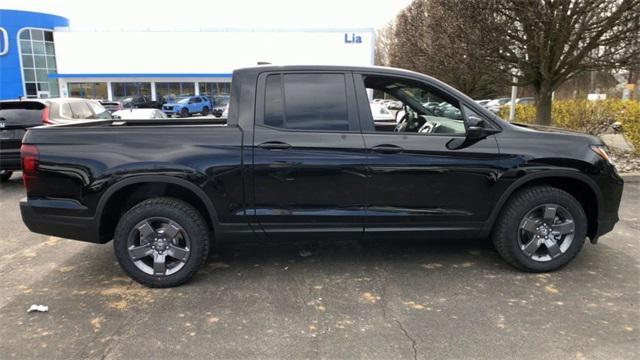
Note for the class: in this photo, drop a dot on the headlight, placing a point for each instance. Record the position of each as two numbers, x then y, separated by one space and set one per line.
601 151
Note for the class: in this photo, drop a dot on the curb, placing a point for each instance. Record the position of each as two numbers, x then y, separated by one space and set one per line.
632 177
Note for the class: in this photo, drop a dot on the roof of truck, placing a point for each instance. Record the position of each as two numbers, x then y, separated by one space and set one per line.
390 70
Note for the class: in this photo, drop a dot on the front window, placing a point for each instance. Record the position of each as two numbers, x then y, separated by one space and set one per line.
88 90
38 59
130 89
214 89
416 108
172 91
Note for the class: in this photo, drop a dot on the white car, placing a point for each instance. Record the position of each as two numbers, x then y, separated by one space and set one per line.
496 105
131 114
381 115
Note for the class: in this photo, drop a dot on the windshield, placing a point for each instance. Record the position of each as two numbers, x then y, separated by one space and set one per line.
221 100
183 100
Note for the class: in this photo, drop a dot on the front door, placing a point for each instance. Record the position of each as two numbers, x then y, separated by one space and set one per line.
309 172
418 182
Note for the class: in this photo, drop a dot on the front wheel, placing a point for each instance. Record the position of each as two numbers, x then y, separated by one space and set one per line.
184 113
540 229
161 242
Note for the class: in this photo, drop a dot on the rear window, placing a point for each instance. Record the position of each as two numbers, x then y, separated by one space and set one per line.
80 110
306 102
21 113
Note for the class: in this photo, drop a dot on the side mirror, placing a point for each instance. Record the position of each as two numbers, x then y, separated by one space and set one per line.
476 128
476 131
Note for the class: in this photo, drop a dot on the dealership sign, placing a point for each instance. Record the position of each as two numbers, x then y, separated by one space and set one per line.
352 39
4 43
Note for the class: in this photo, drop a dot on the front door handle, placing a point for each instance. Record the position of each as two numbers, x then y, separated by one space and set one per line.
274 145
387 149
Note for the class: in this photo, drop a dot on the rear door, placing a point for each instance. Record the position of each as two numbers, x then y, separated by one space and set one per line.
309 170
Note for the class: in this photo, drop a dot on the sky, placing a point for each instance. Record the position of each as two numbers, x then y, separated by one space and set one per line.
194 14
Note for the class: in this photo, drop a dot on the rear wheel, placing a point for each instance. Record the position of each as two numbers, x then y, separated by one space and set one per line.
5 175
161 242
540 229
184 113
205 111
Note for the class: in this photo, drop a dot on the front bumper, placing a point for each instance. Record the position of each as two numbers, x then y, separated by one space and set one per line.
611 187
59 218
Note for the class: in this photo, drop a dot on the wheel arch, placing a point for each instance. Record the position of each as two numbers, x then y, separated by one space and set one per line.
580 186
120 197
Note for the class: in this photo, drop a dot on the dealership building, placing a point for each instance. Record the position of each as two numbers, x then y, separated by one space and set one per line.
42 56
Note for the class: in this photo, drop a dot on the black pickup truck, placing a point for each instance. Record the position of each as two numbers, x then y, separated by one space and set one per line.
301 157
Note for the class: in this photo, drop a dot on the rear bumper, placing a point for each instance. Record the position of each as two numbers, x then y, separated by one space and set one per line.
59 218
10 159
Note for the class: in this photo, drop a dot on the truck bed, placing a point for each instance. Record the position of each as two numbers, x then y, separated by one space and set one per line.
143 122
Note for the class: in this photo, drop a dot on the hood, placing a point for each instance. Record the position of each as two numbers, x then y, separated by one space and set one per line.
543 129
546 128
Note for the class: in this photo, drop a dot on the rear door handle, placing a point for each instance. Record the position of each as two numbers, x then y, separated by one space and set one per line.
274 145
387 149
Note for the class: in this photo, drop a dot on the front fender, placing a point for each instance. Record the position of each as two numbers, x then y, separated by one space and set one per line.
534 176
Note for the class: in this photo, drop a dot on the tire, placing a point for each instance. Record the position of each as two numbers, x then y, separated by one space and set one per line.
5 175
193 232
517 227
184 113
205 111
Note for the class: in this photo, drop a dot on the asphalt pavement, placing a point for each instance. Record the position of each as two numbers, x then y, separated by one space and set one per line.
392 299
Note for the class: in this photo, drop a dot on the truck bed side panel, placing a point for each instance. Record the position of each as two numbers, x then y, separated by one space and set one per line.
81 163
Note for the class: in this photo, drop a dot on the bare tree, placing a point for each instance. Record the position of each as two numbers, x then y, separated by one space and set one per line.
384 39
430 38
551 41
478 44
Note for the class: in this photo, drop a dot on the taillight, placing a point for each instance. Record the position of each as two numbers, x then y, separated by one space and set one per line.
29 157
45 116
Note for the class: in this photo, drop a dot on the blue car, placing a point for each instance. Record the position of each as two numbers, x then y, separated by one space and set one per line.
188 106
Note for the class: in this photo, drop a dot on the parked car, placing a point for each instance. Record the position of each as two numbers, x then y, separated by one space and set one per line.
318 168
525 101
140 102
71 110
496 104
483 102
382 117
188 106
221 103
521 101
111 106
139 114
15 118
